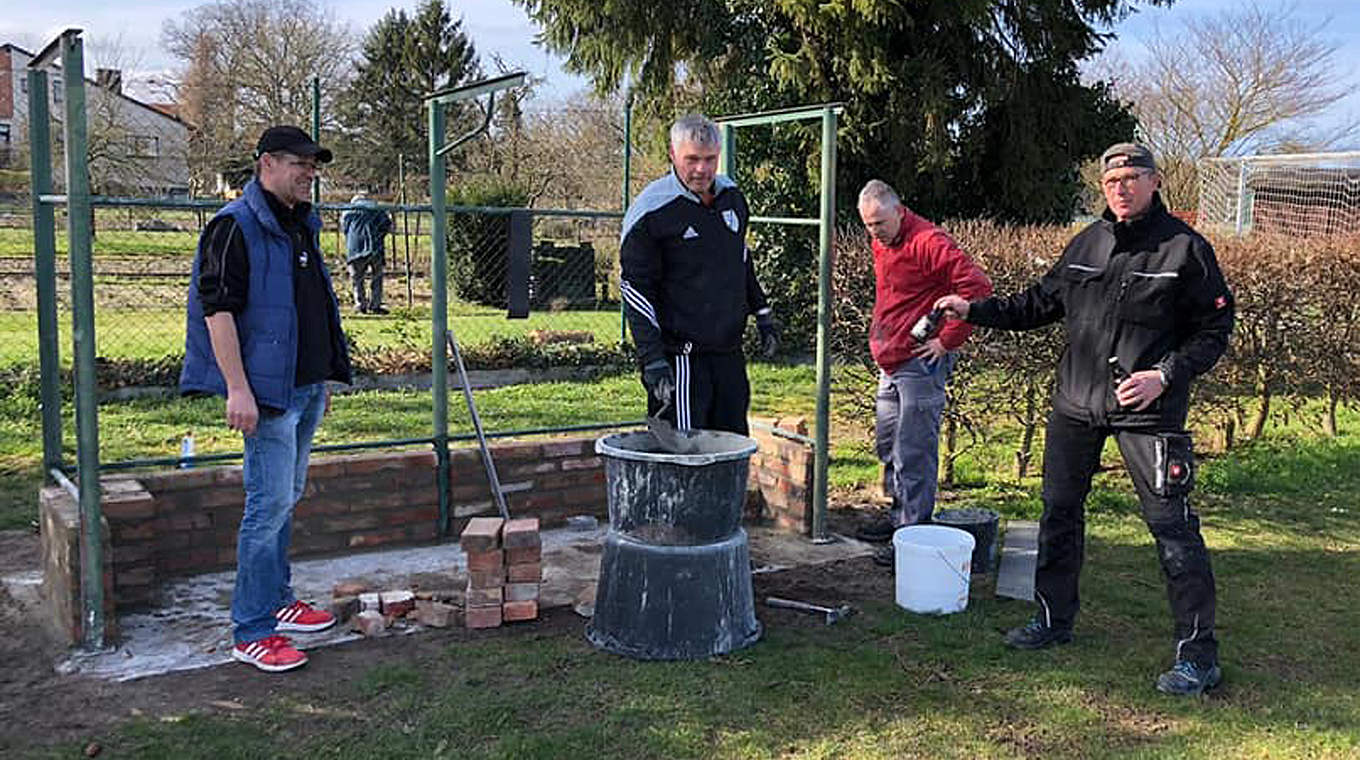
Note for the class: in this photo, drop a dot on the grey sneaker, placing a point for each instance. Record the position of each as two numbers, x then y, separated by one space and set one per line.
1036 635
1189 678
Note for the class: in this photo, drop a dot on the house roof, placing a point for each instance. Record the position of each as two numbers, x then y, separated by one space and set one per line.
164 110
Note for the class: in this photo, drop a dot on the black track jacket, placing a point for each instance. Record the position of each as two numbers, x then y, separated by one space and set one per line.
1149 292
688 280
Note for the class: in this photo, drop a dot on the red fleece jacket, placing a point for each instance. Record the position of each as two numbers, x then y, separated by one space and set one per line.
911 273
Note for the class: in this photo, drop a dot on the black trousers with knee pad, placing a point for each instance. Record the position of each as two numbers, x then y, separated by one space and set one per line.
1162 466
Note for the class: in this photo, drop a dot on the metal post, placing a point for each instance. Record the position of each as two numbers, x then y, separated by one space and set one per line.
82 305
439 304
1241 221
316 134
828 225
627 189
405 226
727 160
45 267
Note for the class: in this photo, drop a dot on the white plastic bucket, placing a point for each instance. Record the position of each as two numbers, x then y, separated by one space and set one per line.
933 564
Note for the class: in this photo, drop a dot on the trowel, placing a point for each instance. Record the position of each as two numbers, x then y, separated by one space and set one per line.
672 440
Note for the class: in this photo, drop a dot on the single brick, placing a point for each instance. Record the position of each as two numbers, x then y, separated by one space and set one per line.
344 607
348 588
482 534
370 623
521 533
522 556
486 561
482 617
436 615
521 592
529 572
514 611
484 597
397 603
370 602
486 578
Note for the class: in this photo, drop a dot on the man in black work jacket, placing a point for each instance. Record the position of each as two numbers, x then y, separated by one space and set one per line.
688 285
1146 311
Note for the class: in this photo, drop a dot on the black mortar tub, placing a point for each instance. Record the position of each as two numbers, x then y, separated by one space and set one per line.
675 574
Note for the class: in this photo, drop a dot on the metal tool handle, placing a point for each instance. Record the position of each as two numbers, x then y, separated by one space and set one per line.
477 426
792 604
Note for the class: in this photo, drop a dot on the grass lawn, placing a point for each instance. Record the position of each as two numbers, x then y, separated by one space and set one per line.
1281 521
1279 515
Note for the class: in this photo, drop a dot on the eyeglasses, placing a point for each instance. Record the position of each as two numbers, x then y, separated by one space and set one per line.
297 163
1127 180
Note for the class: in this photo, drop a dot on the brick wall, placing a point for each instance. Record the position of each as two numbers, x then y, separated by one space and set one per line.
7 91
781 474
61 569
182 522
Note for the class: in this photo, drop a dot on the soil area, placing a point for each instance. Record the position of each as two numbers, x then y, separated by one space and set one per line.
39 706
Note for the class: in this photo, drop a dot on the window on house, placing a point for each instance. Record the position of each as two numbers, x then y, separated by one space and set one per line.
23 85
146 146
56 91
4 134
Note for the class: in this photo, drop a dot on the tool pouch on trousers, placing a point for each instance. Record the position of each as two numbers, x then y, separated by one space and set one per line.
1175 465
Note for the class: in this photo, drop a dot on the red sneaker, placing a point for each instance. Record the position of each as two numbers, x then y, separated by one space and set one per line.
301 616
273 654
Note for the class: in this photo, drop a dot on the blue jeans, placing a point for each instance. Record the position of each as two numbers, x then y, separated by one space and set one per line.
908 407
275 473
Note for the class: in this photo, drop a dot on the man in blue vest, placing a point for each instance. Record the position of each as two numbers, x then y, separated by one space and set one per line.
263 330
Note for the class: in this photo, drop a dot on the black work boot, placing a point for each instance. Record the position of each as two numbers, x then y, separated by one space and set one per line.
1188 679
1036 635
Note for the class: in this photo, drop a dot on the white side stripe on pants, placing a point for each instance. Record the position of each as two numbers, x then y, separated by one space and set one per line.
682 412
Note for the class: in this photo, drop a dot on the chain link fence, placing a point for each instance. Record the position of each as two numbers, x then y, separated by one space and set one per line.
144 257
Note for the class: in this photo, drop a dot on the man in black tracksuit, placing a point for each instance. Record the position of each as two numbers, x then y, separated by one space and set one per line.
688 285
1146 311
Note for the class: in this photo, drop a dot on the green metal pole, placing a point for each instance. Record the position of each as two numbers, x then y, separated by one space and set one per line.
45 267
823 460
439 305
627 189
727 160
78 233
316 134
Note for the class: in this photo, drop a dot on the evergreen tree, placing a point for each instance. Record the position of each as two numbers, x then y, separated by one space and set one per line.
383 111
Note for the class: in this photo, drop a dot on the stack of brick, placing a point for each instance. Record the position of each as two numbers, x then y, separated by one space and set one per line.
523 569
481 542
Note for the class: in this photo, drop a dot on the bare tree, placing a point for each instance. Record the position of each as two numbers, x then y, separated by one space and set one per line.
250 63
1249 79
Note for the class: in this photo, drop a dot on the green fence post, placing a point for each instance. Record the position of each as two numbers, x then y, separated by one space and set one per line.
439 305
828 223
627 190
727 160
78 234
45 268
316 134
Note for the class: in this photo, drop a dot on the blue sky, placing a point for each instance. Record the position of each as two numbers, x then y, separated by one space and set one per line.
498 26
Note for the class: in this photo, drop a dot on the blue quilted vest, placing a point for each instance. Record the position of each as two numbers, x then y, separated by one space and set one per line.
267 328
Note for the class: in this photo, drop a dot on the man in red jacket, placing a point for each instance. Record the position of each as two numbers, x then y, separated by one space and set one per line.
915 263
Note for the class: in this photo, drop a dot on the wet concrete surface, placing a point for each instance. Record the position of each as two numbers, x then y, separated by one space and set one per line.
190 628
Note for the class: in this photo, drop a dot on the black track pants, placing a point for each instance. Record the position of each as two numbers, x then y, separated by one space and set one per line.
1162 467
711 392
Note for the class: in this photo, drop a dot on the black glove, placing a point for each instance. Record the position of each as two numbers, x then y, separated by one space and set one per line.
660 381
769 334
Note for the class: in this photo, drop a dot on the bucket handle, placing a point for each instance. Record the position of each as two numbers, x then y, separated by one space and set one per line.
950 565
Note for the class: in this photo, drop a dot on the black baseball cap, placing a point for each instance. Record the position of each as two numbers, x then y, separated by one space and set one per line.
1120 155
291 140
